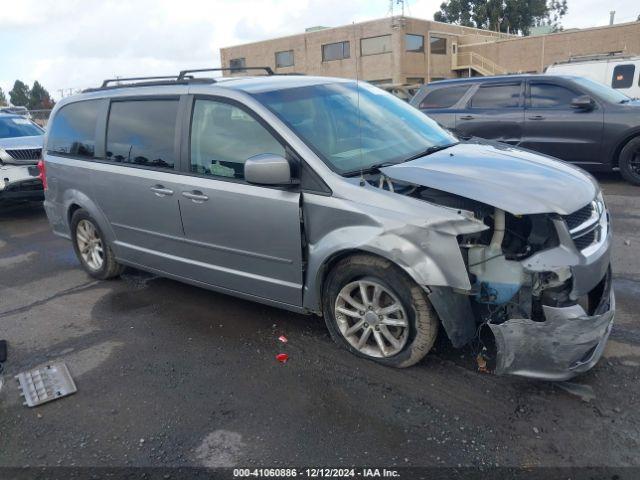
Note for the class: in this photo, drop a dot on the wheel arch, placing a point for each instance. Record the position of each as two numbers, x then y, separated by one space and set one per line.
620 144
75 200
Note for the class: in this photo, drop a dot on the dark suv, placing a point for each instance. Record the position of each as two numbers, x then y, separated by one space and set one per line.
571 118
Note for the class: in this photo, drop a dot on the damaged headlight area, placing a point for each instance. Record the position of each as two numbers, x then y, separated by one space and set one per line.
540 296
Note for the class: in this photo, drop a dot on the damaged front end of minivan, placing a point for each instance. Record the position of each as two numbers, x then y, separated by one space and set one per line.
541 300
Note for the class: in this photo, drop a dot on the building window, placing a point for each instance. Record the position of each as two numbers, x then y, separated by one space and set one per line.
284 59
375 45
142 132
414 43
335 51
623 76
438 45
384 81
238 63
414 80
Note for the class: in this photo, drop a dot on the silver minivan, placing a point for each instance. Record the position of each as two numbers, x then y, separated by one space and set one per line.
332 197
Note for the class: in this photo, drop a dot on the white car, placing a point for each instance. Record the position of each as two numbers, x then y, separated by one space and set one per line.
21 143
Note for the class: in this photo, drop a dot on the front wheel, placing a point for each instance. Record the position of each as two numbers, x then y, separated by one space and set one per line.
374 310
630 161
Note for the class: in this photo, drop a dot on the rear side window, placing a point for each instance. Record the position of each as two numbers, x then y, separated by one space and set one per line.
73 129
623 76
443 97
546 95
496 96
224 136
142 132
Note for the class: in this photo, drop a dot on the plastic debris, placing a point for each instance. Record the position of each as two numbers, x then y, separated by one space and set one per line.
46 383
482 363
584 392
282 357
283 339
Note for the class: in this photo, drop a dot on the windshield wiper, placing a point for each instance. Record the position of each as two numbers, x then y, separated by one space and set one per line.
369 168
430 150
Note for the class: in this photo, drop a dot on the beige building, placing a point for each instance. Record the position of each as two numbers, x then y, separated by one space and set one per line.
410 50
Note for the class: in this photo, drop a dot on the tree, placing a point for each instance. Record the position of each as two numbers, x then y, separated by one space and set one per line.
39 98
513 16
3 98
19 94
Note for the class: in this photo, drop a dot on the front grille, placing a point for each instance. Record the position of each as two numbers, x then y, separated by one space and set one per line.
585 240
579 217
585 224
25 153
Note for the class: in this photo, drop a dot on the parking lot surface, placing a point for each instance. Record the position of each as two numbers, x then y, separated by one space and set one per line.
169 374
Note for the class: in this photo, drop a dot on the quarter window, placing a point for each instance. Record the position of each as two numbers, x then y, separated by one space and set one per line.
142 132
284 59
497 96
224 136
375 45
438 45
623 76
414 43
335 51
546 95
73 130
443 97
238 63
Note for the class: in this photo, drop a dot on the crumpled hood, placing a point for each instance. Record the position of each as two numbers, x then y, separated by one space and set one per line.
22 142
518 181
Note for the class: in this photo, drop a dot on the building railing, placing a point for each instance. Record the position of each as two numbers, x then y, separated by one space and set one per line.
477 62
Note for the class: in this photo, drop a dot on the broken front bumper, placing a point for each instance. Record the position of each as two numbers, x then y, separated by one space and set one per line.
20 182
568 342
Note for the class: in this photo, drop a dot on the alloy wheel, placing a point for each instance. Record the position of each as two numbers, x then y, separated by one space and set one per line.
371 318
89 244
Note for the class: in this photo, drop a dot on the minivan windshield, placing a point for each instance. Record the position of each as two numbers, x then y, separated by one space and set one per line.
354 126
15 126
601 91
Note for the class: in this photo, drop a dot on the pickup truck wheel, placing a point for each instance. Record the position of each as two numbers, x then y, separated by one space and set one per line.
90 246
629 162
374 310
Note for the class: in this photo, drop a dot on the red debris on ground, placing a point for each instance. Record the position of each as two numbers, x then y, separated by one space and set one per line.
282 357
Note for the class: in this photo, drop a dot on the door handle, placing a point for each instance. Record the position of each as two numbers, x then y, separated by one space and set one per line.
536 117
161 191
195 196
467 117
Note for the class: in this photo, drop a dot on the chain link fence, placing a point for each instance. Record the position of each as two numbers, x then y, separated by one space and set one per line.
41 117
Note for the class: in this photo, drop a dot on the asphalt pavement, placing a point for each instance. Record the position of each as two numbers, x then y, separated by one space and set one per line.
173 375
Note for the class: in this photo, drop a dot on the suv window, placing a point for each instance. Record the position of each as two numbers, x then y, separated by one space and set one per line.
547 95
623 76
224 136
73 129
443 97
142 132
496 96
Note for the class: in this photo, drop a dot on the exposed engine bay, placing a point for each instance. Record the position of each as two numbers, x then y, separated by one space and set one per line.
508 288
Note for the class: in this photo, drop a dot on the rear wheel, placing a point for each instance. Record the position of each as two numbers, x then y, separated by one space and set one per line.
91 248
629 162
374 310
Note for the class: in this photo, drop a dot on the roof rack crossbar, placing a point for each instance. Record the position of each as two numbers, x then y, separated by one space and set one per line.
184 73
134 79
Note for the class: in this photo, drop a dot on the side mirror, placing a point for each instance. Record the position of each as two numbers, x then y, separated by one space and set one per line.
583 102
267 169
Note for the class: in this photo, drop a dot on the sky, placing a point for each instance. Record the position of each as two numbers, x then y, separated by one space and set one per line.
75 44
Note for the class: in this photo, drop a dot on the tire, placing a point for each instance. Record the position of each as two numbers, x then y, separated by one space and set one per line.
81 225
629 161
413 341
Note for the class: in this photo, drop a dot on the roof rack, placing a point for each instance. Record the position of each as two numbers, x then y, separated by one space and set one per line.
183 73
135 79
